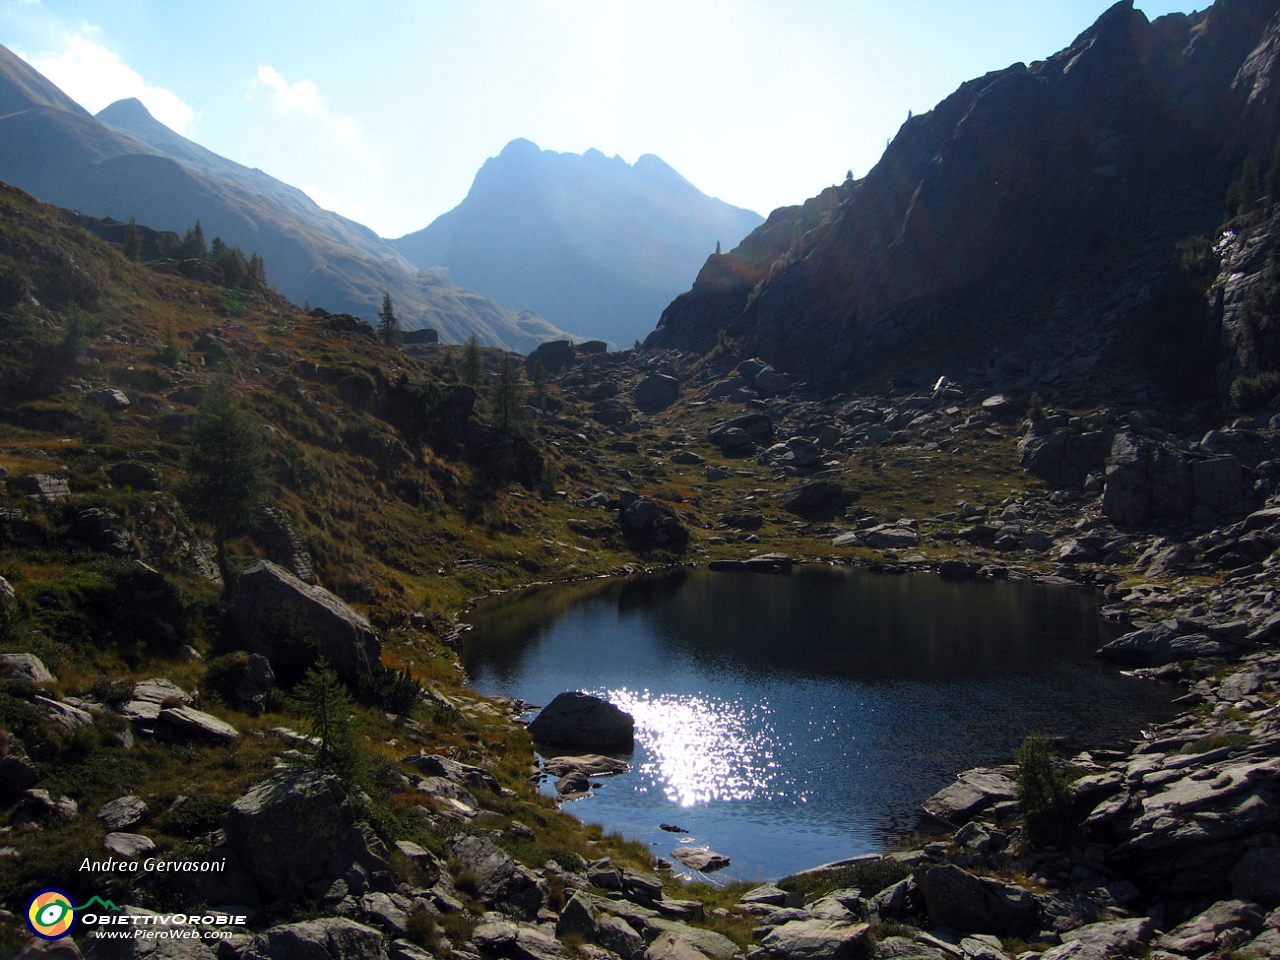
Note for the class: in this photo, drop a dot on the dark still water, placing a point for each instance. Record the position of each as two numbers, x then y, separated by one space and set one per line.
787 721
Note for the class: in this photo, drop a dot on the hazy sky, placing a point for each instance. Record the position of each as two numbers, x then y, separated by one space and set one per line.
384 111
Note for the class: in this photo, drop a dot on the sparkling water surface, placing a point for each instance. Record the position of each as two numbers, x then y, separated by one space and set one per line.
787 721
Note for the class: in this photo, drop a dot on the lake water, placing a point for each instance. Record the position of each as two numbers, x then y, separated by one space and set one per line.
787 721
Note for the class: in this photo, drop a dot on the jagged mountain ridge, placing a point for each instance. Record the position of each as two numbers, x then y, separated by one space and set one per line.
595 244
126 164
1024 232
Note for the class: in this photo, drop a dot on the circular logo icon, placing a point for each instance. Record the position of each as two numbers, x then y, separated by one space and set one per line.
50 914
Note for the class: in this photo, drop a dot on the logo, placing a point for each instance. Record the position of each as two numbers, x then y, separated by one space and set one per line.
50 914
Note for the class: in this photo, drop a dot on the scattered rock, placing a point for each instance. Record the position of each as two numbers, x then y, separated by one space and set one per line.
122 813
128 846
27 666
973 792
700 858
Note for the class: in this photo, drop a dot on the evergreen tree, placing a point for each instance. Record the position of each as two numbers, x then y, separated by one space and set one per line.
472 362
388 323
132 240
539 375
327 707
226 471
193 243
508 396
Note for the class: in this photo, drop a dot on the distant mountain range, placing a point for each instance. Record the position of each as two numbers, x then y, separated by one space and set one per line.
1047 227
594 244
123 163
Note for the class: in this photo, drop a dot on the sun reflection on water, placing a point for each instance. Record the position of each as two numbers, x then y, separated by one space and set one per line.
705 749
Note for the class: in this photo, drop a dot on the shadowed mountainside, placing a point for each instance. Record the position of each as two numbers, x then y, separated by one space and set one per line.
126 164
1025 233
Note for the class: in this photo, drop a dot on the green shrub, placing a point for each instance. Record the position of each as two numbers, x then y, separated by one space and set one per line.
199 814
391 690
13 286
870 877
1249 393
1043 794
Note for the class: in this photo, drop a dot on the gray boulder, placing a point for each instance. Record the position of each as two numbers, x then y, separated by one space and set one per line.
128 846
122 813
1146 480
37 949
814 498
330 938
41 486
1101 941
189 722
1064 456
463 774
1161 643
27 666
972 792
815 940
708 942
268 592
700 858
1199 935
496 877
298 828
962 901
656 392
580 720
1256 876
653 521
770 895
516 941
138 476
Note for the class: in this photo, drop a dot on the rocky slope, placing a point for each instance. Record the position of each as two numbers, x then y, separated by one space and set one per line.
125 164
1024 233
596 245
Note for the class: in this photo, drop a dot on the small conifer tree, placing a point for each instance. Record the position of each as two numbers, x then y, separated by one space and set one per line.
472 363
388 322
508 397
226 471
1043 794
327 707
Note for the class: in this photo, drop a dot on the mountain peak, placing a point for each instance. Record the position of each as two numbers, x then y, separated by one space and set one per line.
131 109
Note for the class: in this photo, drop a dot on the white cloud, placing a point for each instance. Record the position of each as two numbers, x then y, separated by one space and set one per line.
302 97
352 211
95 77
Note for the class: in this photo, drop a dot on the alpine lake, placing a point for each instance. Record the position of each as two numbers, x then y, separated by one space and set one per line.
792 720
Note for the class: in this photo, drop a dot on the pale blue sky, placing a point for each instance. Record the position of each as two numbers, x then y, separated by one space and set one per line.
384 111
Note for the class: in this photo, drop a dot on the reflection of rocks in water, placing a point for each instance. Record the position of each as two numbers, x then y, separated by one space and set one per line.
639 593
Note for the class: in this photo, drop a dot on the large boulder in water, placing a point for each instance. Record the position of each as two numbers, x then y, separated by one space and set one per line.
269 595
581 720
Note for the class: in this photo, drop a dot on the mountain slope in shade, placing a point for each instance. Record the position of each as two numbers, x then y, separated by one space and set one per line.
1026 231
126 164
596 245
